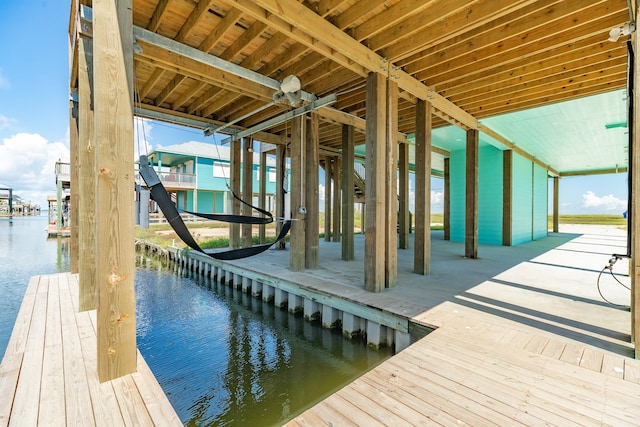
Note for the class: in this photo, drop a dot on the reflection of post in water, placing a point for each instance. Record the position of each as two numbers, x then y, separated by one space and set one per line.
62 254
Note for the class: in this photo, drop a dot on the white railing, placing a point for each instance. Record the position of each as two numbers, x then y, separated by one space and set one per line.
63 172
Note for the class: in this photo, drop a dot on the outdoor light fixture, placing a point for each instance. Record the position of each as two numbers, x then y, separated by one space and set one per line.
625 30
289 88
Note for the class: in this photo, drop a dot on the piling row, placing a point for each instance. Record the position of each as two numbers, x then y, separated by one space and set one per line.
300 300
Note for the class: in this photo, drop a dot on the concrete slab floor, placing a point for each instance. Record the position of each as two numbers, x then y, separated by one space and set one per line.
549 285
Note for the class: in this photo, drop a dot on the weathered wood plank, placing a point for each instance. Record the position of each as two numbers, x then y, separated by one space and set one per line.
27 395
471 198
297 233
79 411
391 186
613 365
312 197
247 189
52 388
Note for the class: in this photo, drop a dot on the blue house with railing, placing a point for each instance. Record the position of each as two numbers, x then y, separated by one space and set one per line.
196 174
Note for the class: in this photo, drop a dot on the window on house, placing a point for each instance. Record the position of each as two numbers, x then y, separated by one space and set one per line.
221 170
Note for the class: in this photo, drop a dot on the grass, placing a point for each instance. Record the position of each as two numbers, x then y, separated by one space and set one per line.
163 235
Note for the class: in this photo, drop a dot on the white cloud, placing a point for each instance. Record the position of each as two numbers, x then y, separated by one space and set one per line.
142 138
27 164
437 198
606 203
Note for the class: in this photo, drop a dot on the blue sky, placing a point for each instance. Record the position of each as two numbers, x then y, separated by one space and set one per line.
34 115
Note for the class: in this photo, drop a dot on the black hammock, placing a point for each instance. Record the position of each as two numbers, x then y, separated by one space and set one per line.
160 195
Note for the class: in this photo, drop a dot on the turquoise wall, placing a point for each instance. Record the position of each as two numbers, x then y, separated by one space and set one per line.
521 205
490 185
489 195
540 202
457 186
205 201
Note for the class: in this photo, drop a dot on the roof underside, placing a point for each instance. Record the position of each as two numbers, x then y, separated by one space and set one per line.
511 65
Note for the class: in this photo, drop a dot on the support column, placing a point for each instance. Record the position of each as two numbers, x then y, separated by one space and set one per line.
422 251
471 199
88 292
327 198
297 234
247 188
374 243
556 201
281 169
391 182
234 178
447 201
262 195
347 193
74 186
115 260
337 199
507 197
312 164
403 214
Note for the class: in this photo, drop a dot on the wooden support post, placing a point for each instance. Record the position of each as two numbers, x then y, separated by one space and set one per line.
447 200
337 199
374 243
115 258
471 199
422 251
262 195
348 214
556 206
234 178
297 234
312 164
391 190
403 214
247 189
281 169
88 292
74 186
507 197
327 198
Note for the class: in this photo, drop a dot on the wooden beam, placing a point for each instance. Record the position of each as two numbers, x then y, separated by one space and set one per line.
234 183
403 215
422 238
556 206
336 236
115 259
447 200
281 170
74 185
391 182
306 27
347 193
247 189
86 201
262 196
312 199
374 245
327 198
471 198
634 161
507 197
297 234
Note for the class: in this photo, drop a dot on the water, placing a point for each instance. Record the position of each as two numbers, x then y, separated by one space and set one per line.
25 251
222 357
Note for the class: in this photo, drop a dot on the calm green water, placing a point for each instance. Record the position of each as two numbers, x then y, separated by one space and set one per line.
222 357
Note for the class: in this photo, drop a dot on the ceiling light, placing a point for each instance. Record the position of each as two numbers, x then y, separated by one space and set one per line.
625 30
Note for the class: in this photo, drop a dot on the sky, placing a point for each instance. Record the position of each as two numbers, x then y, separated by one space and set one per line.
34 115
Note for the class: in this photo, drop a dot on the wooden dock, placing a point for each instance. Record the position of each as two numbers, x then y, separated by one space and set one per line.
482 374
48 375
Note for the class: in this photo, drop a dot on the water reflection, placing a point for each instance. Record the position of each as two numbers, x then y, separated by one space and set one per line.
225 358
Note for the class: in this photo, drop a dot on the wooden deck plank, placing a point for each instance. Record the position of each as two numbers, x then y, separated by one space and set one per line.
28 389
18 340
568 386
632 371
78 406
52 388
572 353
592 359
613 365
553 349
9 373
